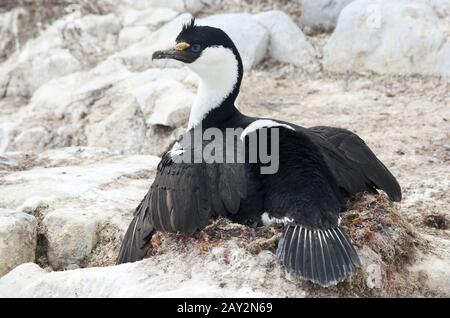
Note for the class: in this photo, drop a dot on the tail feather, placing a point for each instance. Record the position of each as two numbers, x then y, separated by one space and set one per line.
325 257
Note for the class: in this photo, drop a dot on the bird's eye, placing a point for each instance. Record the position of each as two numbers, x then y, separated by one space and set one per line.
196 48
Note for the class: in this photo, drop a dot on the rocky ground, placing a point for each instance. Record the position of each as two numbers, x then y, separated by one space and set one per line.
84 115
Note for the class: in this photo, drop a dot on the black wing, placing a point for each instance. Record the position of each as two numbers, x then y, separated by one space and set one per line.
305 195
183 198
353 164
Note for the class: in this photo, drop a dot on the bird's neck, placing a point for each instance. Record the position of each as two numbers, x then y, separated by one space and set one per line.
217 92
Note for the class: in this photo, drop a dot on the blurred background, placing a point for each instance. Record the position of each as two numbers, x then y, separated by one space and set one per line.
85 113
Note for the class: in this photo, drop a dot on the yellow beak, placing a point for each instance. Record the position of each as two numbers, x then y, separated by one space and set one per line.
181 46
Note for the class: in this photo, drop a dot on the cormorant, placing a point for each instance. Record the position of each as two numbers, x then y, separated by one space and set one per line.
318 169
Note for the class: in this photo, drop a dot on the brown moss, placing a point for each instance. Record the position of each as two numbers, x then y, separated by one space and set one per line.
374 221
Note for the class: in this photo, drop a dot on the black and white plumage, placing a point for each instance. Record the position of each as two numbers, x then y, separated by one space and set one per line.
319 168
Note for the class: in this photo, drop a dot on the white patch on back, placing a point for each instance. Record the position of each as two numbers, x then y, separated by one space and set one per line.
217 68
267 220
176 150
262 123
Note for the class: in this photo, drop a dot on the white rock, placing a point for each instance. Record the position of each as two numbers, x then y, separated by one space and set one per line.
443 60
34 139
123 129
435 272
192 6
69 98
374 277
9 37
6 129
250 38
132 35
171 275
17 239
33 204
70 44
150 18
168 103
383 36
138 57
86 198
287 42
441 7
25 274
322 14
108 106
71 236
70 181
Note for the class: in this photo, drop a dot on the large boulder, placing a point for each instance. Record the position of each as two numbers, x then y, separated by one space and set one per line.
168 103
17 239
399 37
9 41
250 38
138 57
33 139
70 44
122 129
139 24
287 42
150 18
108 106
71 236
83 199
443 60
321 14
191 6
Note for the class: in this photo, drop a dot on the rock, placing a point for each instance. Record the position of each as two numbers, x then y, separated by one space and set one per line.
287 42
6 129
83 198
441 7
73 174
170 103
33 139
70 44
132 35
71 236
322 14
374 277
139 24
229 272
443 60
62 105
108 106
138 57
9 41
433 268
34 204
191 6
124 129
150 18
25 273
400 37
250 38
17 239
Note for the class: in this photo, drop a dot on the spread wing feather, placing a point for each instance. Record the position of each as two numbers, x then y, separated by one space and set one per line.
183 198
354 165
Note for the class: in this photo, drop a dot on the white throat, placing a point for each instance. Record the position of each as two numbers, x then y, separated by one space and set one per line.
217 69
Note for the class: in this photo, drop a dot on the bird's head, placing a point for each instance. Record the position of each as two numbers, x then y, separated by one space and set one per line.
211 54
202 49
